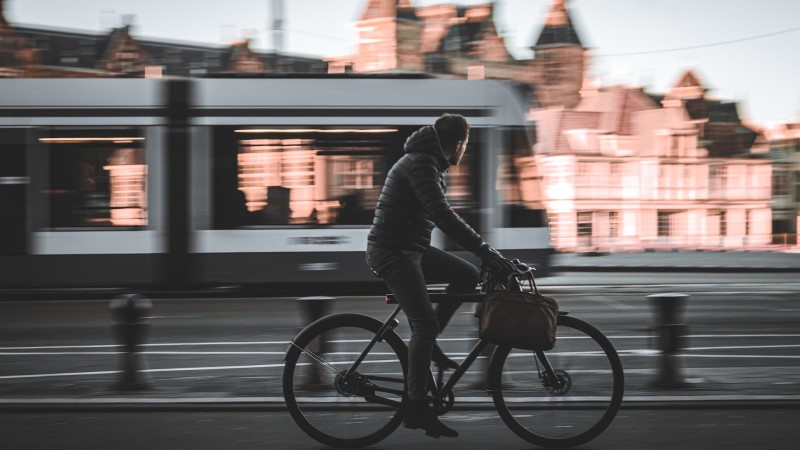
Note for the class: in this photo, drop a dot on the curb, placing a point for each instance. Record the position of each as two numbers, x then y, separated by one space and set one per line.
276 404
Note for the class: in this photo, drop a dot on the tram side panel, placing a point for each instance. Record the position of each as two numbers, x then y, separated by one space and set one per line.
80 203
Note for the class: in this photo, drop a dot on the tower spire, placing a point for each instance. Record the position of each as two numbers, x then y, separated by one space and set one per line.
558 28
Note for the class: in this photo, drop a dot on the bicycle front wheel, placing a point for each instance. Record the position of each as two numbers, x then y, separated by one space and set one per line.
343 410
574 409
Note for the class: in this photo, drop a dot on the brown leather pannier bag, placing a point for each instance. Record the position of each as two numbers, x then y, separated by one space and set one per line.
518 319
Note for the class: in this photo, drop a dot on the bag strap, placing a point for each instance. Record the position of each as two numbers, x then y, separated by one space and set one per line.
534 288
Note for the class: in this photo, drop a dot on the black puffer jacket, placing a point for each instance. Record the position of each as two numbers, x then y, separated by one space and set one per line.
413 200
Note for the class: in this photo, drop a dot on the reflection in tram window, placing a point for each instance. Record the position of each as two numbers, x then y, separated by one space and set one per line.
97 178
519 181
313 176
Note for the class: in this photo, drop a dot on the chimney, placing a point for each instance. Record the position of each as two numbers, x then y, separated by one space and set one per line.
277 26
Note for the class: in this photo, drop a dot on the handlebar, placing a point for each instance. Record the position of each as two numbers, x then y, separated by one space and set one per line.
520 268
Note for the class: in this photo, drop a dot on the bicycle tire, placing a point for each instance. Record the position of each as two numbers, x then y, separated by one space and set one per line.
560 419
316 417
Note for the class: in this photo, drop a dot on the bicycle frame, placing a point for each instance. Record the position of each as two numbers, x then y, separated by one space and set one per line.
547 375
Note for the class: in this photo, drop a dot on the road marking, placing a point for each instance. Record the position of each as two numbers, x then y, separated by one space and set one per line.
741 347
111 372
616 304
142 353
744 356
355 341
166 344
185 369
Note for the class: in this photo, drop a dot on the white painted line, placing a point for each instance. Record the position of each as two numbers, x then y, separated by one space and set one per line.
743 356
188 369
142 400
616 304
355 341
165 344
57 353
143 353
737 347
63 374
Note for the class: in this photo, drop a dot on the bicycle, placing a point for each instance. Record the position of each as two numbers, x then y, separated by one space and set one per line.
352 396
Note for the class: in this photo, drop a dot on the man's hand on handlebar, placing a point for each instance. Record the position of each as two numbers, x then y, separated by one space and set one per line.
494 261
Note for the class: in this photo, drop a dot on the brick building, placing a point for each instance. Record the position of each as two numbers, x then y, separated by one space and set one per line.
27 51
463 42
625 170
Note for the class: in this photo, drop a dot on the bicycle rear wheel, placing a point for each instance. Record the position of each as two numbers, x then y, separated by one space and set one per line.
568 413
341 411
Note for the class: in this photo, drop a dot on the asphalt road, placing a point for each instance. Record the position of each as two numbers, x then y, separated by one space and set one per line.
743 338
633 429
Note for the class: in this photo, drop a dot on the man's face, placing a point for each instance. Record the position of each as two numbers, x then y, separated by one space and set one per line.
460 150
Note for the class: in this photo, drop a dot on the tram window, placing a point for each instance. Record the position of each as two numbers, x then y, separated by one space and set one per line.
301 176
96 178
308 176
519 181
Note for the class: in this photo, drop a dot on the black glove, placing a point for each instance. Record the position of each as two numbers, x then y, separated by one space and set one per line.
494 260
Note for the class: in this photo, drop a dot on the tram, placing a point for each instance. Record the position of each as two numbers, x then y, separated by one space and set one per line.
241 181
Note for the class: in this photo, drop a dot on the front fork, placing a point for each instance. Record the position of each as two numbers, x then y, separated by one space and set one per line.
546 372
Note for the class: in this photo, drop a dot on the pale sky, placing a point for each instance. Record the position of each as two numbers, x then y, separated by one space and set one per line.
762 74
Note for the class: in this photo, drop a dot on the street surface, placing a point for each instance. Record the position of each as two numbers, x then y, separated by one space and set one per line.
633 429
216 364
743 338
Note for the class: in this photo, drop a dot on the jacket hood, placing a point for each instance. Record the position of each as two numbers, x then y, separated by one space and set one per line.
425 140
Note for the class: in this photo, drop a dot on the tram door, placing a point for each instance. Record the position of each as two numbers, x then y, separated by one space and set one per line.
13 192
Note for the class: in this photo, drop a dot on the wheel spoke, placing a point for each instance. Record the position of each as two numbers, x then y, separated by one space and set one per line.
337 408
317 359
573 408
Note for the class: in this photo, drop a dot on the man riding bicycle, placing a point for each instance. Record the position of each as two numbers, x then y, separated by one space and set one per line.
411 203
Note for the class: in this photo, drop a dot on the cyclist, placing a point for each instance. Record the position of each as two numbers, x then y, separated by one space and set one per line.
411 203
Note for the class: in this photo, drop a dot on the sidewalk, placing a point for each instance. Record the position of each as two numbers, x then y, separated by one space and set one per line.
674 261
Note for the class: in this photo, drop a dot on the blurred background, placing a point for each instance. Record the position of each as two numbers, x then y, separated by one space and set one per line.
225 158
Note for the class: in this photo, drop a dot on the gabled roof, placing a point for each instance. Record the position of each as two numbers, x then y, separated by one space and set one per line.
470 26
689 79
687 87
80 50
551 125
617 105
558 28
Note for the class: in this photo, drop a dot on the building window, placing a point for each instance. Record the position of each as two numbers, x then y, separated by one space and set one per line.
723 223
780 184
666 223
716 175
613 224
747 220
797 186
584 223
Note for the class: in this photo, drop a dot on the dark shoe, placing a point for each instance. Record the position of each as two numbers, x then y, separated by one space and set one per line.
419 414
441 360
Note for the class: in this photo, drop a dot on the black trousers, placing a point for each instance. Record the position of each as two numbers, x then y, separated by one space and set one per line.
406 274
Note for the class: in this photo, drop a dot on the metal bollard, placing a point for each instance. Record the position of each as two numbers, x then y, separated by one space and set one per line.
315 308
129 312
670 338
